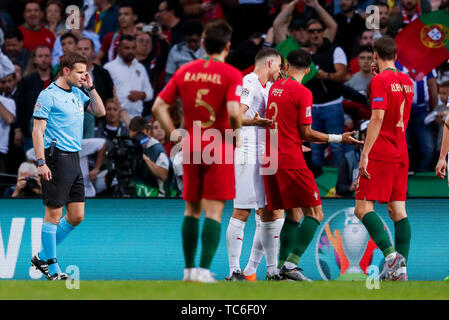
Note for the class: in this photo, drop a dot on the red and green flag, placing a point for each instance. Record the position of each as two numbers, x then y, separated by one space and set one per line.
290 44
424 43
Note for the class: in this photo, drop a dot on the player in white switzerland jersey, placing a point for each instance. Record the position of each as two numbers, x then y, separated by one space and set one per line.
250 190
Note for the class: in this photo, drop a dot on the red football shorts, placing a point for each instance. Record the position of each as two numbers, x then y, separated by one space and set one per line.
291 188
212 182
388 182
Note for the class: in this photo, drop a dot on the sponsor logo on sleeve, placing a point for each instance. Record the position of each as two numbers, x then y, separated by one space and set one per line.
245 92
308 111
38 106
239 91
379 99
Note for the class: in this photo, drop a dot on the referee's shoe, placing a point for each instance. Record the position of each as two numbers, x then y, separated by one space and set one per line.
40 265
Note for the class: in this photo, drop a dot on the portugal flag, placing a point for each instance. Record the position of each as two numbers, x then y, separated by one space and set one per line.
424 43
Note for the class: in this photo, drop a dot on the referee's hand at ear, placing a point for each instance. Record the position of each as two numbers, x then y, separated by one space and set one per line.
44 172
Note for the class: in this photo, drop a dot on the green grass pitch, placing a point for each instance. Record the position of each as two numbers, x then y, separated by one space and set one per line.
178 290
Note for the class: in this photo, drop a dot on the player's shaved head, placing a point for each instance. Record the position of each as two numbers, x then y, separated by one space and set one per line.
217 34
267 53
385 48
299 59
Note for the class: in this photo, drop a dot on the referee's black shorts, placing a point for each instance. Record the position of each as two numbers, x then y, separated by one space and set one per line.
66 184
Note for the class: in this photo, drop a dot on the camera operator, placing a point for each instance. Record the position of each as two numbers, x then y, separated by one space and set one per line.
151 175
28 182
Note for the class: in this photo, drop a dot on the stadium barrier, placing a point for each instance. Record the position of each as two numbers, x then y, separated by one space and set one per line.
123 239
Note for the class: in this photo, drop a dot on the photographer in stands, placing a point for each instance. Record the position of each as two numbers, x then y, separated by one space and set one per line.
151 175
28 182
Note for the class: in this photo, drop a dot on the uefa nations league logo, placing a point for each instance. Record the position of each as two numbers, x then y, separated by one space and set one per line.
344 249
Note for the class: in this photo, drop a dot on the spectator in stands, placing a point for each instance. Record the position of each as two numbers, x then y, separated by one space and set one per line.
130 77
160 135
34 34
421 136
443 71
361 79
8 85
35 80
105 19
54 17
366 39
350 26
186 51
151 175
115 123
14 47
437 117
204 10
78 33
348 170
102 81
15 149
406 12
326 87
384 17
243 56
169 15
101 77
249 17
358 108
7 117
69 43
18 71
92 147
28 182
127 19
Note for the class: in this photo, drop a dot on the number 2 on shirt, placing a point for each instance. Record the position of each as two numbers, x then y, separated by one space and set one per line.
199 102
275 106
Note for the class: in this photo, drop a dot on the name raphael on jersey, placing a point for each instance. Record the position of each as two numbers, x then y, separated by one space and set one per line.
202 77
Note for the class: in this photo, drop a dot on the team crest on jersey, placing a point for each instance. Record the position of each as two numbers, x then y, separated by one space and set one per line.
138 73
308 111
38 106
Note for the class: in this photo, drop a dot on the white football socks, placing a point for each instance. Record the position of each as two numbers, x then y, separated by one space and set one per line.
234 240
270 232
256 251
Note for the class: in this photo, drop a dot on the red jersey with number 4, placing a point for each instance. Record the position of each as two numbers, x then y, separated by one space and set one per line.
289 106
205 86
392 91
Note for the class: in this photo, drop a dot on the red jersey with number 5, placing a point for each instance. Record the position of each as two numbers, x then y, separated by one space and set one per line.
289 106
392 91
204 86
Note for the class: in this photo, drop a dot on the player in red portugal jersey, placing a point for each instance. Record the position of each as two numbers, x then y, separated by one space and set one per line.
292 186
210 93
383 167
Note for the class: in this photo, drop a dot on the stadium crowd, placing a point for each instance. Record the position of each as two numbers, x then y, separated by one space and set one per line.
134 47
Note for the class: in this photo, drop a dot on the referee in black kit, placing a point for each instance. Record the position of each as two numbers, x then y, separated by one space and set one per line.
57 137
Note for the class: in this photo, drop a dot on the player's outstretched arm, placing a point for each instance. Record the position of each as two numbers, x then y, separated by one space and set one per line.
440 169
374 126
310 135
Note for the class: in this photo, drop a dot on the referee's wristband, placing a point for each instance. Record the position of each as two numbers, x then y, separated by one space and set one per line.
335 138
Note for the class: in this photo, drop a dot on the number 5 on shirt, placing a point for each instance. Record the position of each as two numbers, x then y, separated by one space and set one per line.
199 102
